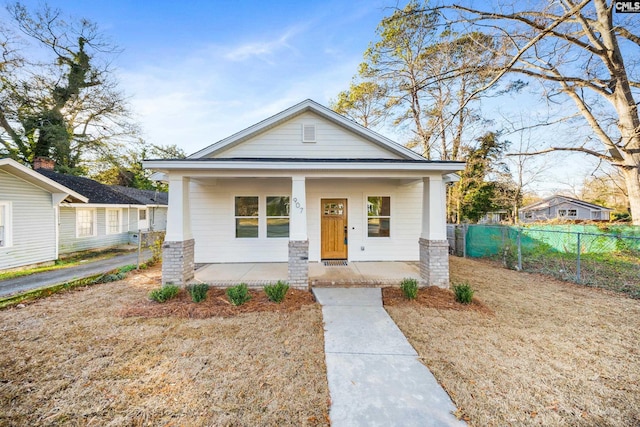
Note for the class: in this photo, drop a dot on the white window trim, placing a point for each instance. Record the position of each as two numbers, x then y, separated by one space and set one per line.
146 216
8 227
94 213
366 216
267 217
259 217
108 223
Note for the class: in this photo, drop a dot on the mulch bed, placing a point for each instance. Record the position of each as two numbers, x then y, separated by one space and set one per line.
217 305
432 297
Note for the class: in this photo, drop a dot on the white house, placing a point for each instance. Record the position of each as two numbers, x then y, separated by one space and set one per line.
303 186
30 215
564 208
110 215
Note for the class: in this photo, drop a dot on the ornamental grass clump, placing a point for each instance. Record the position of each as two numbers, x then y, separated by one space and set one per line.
198 291
277 292
165 293
239 294
463 293
409 288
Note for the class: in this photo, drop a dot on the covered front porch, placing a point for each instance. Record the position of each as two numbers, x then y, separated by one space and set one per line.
366 273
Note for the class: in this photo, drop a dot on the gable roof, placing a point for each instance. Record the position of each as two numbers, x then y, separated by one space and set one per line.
558 199
94 191
39 180
146 197
305 106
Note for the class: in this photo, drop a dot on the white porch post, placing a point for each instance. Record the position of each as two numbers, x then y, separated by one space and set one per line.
178 247
434 248
298 274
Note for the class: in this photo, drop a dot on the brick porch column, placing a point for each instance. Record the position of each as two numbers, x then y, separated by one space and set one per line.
178 248
298 272
434 247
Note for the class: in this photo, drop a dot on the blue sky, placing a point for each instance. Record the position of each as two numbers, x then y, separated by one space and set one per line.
199 71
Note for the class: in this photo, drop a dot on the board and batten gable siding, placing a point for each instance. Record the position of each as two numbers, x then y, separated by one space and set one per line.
69 243
213 220
285 141
33 223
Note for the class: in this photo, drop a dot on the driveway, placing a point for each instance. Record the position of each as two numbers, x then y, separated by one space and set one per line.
64 275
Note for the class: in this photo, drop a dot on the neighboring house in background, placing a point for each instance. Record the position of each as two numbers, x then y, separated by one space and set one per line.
29 212
563 208
108 218
154 217
494 217
303 186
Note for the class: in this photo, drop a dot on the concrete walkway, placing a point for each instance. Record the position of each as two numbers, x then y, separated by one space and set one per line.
64 275
375 378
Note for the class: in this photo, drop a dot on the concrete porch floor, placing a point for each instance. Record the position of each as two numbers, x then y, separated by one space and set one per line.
371 273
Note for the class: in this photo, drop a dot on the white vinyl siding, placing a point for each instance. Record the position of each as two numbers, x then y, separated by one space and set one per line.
32 223
114 221
331 141
86 223
213 219
101 240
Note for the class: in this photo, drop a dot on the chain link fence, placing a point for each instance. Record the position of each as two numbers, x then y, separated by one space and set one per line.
607 259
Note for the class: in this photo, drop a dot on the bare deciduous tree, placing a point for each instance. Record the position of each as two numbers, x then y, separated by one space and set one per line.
581 50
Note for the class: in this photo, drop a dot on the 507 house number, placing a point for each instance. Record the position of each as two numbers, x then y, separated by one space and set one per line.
297 204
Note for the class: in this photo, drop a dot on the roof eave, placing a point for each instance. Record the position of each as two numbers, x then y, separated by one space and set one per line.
39 180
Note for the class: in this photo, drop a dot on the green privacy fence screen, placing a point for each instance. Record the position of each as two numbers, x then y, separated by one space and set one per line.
608 257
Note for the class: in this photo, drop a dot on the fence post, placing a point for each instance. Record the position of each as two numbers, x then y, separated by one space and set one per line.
578 261
139 248
464 240
519 240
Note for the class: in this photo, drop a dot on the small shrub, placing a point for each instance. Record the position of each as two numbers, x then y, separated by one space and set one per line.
463 293
277 292
127 268
409 288
165 293
113 277
198 291
239 294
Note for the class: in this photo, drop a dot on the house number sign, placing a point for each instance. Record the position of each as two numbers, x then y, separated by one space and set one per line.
297 204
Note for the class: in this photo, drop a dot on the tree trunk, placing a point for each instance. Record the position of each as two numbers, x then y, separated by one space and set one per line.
632 179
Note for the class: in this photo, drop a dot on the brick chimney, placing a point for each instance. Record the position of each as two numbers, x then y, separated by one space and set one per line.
43 163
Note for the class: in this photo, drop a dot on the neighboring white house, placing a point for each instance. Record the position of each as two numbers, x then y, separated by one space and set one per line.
564 208
154 216
303 186
29 215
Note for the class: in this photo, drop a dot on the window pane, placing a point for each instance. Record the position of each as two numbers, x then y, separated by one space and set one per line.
277 227
85 222
113 224
246 206
378 206
378 227
278 206
142 214
246 227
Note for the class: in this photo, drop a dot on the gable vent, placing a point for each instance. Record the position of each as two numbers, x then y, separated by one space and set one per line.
308 133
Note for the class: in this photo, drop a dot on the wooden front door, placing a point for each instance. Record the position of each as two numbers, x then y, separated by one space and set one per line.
333 226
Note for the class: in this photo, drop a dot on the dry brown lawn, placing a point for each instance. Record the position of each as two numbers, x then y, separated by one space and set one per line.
75 359
551 354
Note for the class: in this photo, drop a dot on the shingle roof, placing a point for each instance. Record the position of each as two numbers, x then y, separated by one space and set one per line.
93 190
146 197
